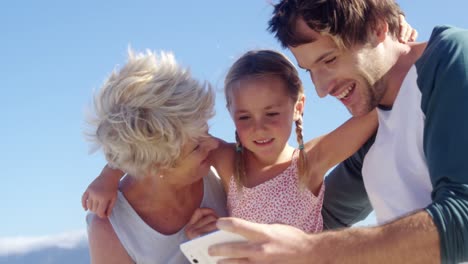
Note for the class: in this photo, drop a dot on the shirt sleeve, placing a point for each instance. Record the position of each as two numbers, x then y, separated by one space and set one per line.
443 80
346 201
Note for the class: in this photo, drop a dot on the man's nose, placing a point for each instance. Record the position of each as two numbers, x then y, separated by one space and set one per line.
320 82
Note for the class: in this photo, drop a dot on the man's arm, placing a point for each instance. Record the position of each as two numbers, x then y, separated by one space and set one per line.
411 239
346 201
440 231
443 80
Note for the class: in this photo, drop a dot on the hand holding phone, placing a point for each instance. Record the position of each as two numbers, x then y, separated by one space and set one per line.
196 250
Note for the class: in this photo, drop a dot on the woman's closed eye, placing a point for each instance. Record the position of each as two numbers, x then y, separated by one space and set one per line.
196 148
272 114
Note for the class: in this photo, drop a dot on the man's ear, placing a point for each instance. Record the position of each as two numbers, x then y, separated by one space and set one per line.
380 32
299 107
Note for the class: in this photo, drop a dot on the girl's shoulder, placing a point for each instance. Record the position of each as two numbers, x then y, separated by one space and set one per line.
224 149
223 158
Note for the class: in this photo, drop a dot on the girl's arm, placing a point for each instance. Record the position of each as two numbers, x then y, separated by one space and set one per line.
223 159
101 194
328 150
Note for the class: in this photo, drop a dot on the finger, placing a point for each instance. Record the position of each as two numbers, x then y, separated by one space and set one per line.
89 204
403 33
195 217
84 199
205 221
249 230
234 261
414 35
233 250
111 206
203 226
95 206
198 214
196 232
403 29
101 209
409 30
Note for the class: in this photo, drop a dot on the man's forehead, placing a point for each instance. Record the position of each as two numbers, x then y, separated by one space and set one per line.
305 31
309 54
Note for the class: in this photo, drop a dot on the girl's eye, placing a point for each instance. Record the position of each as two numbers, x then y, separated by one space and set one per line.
330 60
243 117
272 114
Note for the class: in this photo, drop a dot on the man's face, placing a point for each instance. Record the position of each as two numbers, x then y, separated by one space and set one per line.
353 76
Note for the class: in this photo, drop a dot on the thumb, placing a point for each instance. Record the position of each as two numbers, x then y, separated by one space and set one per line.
84 197
249 230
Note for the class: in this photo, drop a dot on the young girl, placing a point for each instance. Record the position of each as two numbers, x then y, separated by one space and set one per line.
266 179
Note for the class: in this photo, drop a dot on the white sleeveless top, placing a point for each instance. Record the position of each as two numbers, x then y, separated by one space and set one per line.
144 244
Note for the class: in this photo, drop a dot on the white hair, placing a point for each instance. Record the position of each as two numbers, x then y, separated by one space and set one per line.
146 111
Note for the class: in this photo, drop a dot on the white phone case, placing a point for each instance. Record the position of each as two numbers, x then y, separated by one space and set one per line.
196 250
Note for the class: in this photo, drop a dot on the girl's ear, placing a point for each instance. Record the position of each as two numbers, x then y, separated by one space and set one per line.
299 107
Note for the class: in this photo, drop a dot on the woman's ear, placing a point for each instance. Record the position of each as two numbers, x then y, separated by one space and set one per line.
299 107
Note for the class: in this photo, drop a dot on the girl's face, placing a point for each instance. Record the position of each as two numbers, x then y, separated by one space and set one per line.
263 113
193 163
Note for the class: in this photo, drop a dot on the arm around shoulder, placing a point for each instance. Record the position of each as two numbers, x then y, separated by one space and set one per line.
328 150
336 146
443 81
104 245
223 159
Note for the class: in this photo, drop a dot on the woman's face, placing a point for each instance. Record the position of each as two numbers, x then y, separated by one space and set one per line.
193 163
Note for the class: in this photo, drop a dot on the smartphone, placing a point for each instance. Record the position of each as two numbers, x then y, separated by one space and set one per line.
196 250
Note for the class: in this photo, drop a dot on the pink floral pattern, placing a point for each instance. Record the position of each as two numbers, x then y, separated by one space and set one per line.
278 200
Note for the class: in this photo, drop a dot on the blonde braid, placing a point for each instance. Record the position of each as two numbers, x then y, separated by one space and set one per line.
239 172
302 162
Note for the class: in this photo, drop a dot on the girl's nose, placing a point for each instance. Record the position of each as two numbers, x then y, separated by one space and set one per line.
260 125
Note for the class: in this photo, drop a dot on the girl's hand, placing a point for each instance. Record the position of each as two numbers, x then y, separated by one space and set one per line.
203 221
407 33
100 196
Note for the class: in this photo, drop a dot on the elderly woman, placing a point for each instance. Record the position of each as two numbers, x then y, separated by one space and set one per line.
151 122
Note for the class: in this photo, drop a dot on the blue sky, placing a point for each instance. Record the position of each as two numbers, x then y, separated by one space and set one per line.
56 53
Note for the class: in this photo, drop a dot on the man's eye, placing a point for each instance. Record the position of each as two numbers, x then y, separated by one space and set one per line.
330 60
243 117
272 114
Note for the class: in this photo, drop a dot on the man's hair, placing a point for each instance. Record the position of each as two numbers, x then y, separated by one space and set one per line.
146 111
349 22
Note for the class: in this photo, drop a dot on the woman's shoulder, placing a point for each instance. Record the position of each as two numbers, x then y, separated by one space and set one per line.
99 227
103 241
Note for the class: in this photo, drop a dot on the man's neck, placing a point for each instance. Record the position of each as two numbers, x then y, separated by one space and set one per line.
407 55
